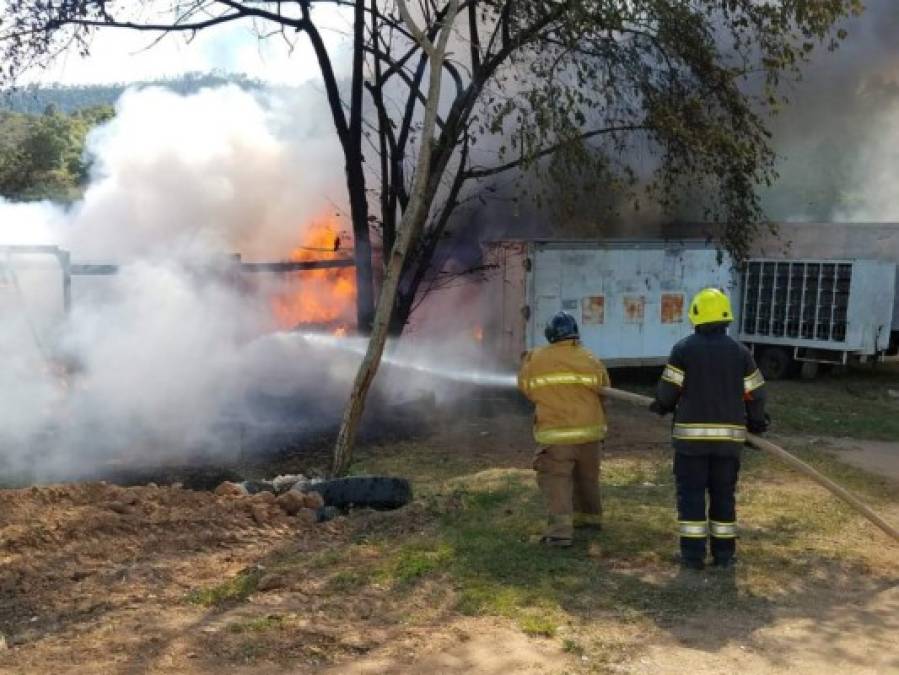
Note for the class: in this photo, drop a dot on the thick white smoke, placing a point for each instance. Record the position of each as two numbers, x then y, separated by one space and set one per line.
871 195
222 170
161 357
836 138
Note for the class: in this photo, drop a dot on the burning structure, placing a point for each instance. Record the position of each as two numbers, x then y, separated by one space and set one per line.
172 346
165 354
323 297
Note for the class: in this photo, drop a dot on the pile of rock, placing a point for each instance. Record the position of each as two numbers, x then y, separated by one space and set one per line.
293 495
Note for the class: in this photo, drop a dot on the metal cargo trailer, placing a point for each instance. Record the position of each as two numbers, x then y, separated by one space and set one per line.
816 311
630 298
630 301
818 241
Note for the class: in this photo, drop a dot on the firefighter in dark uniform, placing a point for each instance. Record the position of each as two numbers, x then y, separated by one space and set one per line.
716 392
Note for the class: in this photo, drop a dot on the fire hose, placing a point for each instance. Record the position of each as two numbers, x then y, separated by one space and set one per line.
753 440
788 458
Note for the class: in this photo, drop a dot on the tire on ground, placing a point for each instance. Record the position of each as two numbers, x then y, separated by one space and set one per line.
376 492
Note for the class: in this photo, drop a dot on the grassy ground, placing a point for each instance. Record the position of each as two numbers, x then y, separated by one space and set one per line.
857 404
466 547
394 584
480 542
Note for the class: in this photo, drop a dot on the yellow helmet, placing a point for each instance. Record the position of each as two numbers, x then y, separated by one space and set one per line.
710 306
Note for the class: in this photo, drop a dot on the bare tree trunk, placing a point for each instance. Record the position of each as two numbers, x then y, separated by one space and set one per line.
356 182
349 132
417 267
362 253
411 223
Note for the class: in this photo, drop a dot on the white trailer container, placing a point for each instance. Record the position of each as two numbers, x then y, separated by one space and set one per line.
817 311
631 299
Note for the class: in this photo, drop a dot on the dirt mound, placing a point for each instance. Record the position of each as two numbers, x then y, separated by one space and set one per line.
61 542
58 515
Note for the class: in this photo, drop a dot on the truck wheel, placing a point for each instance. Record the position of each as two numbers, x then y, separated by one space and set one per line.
775 363
809 370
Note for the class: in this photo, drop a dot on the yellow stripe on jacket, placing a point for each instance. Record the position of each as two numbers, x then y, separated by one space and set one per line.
563 380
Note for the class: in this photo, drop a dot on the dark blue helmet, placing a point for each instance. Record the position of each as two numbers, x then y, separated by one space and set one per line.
562 326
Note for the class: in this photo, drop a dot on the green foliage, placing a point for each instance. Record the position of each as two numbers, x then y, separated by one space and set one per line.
637 100
34 99
43 131
570 646
42 156
415 561
538 625
662 101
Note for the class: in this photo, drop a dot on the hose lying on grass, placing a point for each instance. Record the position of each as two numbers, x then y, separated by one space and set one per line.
792 460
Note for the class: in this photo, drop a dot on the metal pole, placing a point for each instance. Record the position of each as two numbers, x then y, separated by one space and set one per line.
65 261
792 460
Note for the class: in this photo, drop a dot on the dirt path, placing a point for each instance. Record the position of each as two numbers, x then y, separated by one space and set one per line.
842 638
880 457
467 646
846 638
98 575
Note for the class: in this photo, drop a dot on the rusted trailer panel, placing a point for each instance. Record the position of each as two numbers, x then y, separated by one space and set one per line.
505 332
630 298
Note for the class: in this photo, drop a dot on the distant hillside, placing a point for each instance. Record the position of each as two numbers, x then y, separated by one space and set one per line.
34 99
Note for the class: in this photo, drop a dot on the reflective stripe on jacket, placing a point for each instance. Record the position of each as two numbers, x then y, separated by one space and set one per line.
709 432
563 381
713 384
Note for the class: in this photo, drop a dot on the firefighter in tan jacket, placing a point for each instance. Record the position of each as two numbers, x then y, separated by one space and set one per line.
563 380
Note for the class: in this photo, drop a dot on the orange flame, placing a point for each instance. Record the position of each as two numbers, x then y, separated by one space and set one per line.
325 296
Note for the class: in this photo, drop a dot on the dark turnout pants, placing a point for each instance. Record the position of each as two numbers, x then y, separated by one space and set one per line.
695 476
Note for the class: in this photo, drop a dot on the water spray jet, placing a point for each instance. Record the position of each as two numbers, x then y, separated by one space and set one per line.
357 346
479 378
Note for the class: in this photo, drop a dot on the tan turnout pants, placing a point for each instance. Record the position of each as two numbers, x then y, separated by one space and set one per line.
568 477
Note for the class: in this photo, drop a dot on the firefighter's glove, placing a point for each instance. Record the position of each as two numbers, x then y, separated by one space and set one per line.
758 426
659 409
